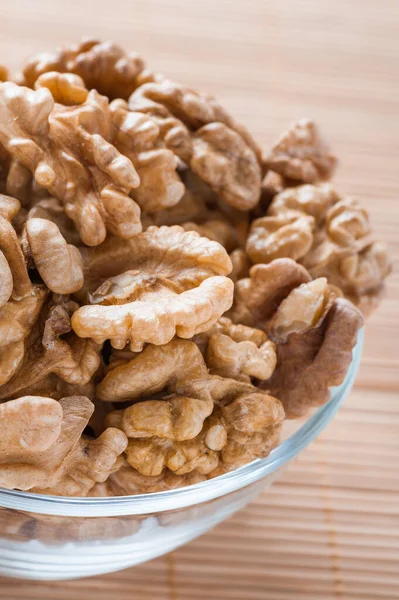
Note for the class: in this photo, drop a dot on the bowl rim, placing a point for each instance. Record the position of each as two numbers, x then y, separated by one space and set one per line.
147 504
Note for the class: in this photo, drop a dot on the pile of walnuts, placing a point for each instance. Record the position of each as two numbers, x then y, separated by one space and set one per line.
168 293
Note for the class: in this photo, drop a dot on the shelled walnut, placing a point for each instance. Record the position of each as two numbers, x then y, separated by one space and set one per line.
20 300
327 233
68 153
52 349
103 66
161 283
169 294
314 331
41 447
223 153
301 155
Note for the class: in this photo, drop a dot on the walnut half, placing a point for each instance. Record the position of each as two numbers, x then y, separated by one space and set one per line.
314 331
162 282
329 234
41 448
68 153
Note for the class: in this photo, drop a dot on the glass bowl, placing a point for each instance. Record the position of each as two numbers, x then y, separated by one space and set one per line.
53 538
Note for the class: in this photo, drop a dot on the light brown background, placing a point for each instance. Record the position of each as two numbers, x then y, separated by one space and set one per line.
330 528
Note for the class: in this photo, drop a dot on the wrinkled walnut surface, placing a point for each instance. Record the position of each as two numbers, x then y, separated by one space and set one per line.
169 294
42 448
68 153
162 282
103 66
329 234
314 331
220 151
301 154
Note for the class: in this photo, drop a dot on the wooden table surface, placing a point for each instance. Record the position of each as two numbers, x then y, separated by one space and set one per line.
330 528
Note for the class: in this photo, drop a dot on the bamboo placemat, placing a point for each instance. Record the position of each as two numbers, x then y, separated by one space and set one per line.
329 529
